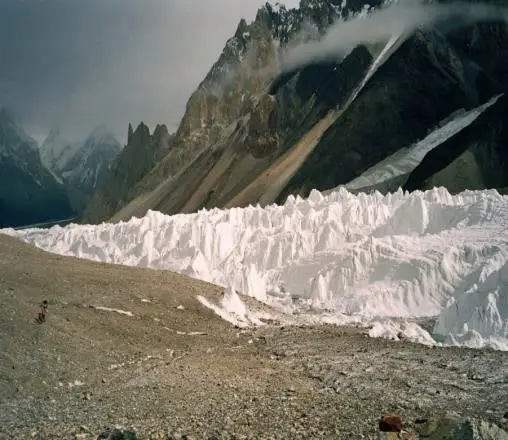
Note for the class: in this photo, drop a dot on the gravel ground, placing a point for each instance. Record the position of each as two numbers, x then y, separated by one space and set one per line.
86 370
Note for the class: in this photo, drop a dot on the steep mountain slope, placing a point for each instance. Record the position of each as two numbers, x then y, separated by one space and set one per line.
231 109
255 133
424 82
476 157
29 193
393 172
80 166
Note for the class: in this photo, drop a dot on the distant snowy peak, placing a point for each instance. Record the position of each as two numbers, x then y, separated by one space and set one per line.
57 150
102 136
66 158
80 165
92 159
96 155
29 193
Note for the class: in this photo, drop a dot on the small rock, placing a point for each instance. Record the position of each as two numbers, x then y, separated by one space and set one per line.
117 434
475 377
159 434
364 395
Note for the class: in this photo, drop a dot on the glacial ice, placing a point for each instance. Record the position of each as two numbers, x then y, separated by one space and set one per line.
384 261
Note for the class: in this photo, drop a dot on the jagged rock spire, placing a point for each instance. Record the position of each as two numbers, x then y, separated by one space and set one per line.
130 132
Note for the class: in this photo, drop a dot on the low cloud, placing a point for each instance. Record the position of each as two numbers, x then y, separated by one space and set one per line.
379 26
77 64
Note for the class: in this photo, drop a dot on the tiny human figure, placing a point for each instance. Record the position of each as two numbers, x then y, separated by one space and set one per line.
41 317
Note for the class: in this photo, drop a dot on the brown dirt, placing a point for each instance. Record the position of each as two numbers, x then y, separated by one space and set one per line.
139 372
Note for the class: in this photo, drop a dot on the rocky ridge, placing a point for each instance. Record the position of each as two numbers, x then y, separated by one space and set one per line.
231 110
252 133
142 152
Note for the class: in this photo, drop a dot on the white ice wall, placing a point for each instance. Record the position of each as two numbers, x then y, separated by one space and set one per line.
339 257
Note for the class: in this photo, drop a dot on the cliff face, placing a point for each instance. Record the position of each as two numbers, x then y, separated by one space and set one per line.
255 133
424 81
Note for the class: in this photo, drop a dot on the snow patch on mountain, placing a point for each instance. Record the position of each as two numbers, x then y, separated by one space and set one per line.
406 160
384 261
80 165
56 151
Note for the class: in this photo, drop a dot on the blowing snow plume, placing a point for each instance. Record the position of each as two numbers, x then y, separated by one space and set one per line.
379 26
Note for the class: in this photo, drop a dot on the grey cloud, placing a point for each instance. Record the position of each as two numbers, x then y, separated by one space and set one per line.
78 64
379 26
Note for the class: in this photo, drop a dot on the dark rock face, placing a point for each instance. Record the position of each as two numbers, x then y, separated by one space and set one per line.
423 82
28 192
475 158
487 45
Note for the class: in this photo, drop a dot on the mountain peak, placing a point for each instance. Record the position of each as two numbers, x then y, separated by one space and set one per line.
54 137
99 132
271 96
101 139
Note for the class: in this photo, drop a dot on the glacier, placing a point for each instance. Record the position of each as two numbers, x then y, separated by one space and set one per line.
389 262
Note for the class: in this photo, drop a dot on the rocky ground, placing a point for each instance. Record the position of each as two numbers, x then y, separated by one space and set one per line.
173 369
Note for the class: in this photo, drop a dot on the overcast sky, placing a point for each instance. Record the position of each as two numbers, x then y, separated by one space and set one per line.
80 63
